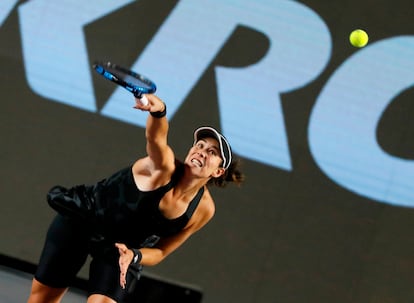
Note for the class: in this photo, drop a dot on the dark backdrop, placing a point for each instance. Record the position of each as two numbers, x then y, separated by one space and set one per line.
285 236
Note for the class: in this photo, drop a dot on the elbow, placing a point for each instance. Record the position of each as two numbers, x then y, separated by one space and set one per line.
153 262
153 259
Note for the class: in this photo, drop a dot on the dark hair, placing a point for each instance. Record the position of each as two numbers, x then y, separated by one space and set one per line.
232 174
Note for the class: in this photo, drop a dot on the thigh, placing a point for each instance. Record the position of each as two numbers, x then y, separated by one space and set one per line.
64 253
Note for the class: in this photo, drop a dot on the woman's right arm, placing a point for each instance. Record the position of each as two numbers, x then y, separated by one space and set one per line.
160 162
156 134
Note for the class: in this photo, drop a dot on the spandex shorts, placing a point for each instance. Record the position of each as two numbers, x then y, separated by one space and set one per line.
66 249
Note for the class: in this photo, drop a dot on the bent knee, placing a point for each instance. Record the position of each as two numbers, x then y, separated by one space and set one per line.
43 293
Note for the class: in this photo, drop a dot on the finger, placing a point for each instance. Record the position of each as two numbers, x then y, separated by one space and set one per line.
121 248
118 245
139 105
122 279
121 282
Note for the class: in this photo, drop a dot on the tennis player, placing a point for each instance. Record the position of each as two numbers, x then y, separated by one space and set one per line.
138 216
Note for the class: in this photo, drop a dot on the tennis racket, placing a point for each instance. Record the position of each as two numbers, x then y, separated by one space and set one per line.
131 81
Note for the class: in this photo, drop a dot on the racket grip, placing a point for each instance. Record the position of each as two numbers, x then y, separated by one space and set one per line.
143 100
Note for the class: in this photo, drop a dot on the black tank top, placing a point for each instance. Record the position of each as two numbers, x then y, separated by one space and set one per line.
129 215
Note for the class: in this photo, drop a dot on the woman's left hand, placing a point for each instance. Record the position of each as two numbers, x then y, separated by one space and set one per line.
125 258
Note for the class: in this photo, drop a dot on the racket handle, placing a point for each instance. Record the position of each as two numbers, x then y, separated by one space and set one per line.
143 100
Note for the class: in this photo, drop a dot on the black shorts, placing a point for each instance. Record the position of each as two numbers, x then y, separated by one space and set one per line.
67 246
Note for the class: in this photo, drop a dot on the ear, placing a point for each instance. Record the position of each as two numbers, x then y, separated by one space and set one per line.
218 172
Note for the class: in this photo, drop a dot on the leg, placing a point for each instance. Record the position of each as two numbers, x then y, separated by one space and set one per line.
95 298
64 253
42 293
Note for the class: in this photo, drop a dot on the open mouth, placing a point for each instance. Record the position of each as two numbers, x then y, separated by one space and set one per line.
197 162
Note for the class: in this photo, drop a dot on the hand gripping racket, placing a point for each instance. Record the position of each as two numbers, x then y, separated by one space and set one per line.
131 81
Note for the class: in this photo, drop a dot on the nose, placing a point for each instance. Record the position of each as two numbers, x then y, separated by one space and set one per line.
201 152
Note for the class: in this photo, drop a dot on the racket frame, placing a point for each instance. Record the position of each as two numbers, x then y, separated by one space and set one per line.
102 68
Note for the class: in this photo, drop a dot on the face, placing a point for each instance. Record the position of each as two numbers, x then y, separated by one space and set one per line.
205 158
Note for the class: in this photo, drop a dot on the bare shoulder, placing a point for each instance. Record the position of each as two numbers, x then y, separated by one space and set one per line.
142 166
207 203
205 211
147 177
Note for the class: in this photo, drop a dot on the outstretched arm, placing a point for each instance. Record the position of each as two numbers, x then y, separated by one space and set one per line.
156 131
160 162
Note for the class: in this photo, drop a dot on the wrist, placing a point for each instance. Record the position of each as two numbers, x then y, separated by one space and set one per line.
160 113
137 257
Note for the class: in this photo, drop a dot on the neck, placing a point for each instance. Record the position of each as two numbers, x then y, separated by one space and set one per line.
189 184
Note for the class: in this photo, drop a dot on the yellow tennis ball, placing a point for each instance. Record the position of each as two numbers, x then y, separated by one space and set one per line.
358 38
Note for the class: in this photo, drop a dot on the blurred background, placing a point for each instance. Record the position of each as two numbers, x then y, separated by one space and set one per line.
323 129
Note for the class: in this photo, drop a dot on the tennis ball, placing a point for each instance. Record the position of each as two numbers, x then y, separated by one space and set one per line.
358 38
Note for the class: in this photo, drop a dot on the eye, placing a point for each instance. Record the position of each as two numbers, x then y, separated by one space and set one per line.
199 144
212 152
